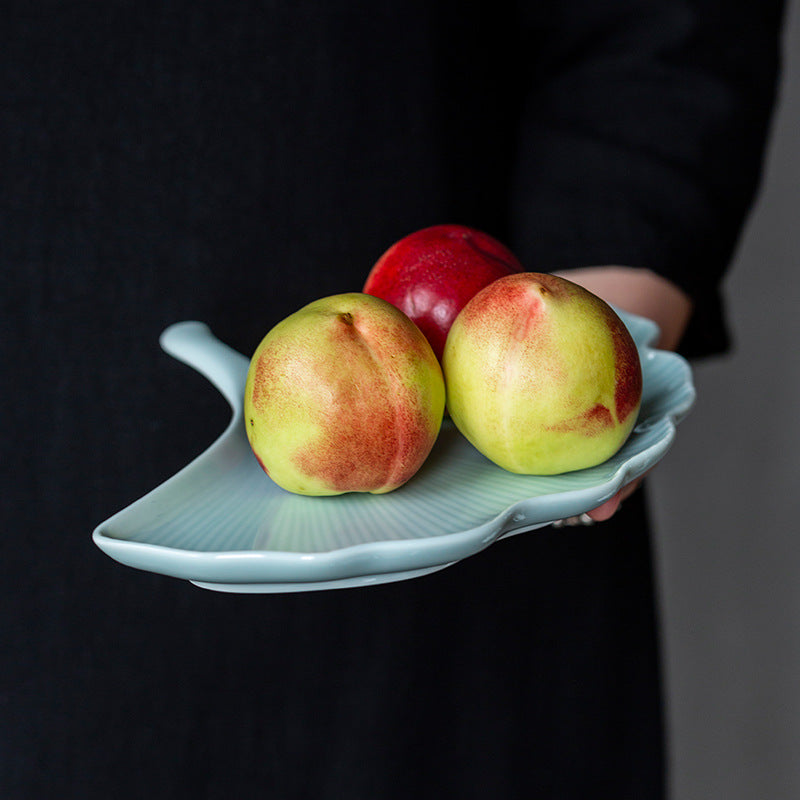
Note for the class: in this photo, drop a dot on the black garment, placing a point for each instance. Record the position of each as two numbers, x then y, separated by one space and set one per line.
229 162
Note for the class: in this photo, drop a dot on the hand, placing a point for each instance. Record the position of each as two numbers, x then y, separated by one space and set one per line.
640 292
646 294
610 507
604 511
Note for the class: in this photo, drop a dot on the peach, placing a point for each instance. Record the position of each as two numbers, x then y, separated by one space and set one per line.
542 376
344 395
432 273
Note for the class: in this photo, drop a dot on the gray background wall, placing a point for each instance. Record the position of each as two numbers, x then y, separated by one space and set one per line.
727 506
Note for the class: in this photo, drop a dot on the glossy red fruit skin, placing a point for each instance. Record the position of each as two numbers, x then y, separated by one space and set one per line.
433 273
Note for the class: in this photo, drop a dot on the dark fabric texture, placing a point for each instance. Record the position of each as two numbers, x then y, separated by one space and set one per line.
230 162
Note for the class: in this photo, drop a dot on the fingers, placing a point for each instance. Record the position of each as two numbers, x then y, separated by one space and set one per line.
611 506
608 509
602 512
571 522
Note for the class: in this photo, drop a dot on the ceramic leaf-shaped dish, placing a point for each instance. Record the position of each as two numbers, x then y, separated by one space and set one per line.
222 524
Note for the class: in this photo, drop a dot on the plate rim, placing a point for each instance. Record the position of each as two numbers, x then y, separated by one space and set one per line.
236 570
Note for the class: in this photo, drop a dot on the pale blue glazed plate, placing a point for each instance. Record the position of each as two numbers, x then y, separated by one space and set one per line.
222 524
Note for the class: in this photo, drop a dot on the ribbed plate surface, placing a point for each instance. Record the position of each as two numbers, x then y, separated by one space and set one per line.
222 524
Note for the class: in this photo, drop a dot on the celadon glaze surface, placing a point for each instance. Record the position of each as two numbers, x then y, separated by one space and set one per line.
221 523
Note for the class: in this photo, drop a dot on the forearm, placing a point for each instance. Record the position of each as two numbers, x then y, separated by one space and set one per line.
641 292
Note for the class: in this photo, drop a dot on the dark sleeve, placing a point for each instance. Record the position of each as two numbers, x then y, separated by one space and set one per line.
642 139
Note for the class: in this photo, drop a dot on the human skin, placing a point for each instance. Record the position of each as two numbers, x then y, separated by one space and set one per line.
647 294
